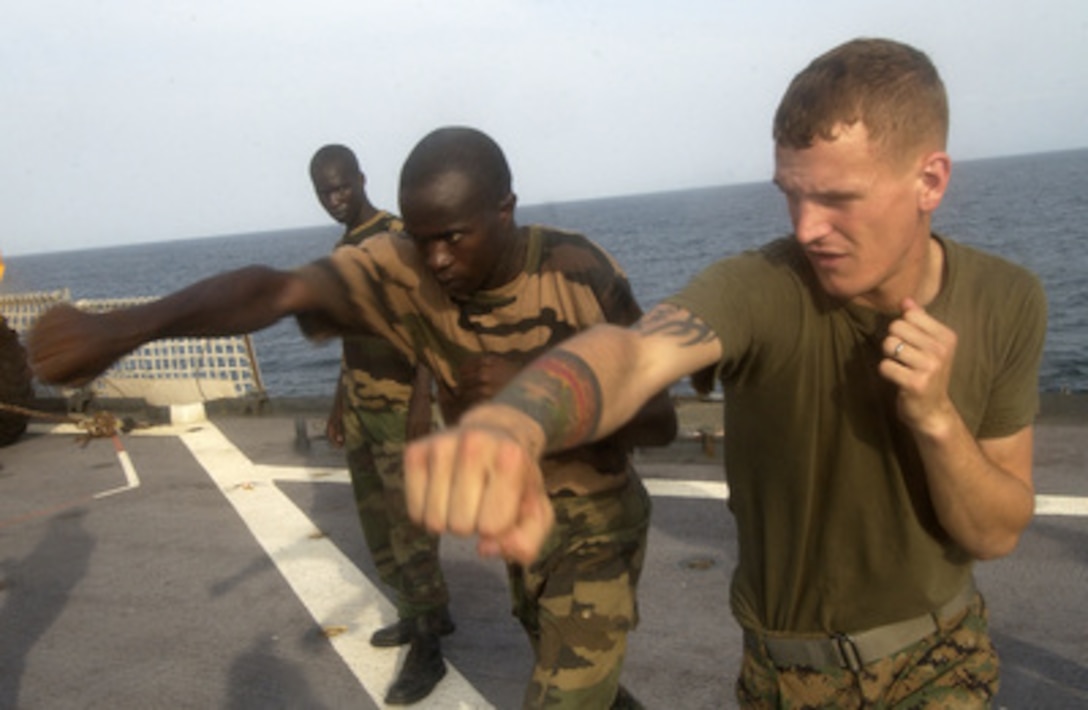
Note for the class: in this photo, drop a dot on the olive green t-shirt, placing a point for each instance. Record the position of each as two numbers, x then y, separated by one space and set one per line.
836 529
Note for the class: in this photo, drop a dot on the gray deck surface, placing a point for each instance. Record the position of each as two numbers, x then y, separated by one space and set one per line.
234 575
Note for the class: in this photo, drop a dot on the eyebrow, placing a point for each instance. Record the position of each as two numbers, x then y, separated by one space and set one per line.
432 237
834 194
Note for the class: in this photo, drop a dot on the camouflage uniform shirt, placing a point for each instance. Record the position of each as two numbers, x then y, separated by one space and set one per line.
567 285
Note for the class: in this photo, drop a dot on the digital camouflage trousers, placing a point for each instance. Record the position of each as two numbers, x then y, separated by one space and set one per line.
955 668
578 602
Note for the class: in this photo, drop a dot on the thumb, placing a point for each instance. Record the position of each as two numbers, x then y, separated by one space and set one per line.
535 522
523 542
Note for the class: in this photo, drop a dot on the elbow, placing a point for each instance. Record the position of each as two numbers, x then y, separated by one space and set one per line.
995 550
1004 539
995 532
997 544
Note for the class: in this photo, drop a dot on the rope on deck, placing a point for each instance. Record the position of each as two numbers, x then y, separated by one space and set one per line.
100 425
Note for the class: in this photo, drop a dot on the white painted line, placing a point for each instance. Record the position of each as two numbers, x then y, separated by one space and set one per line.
332 589
1056 505
303 474
131 479
671 488
1061 505
658 487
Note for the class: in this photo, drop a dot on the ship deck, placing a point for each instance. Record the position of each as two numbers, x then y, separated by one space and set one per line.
219 564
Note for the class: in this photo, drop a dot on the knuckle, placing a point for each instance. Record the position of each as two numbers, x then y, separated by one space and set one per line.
460 527
435 523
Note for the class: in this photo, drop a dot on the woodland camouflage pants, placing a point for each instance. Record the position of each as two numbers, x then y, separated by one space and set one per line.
405 555
955 668
578 601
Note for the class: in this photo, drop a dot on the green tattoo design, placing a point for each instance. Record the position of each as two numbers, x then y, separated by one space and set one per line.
562 394
666 320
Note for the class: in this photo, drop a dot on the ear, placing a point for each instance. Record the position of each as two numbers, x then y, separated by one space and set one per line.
506 207
933 176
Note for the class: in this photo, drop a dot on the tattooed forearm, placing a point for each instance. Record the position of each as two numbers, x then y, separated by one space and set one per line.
676 323
562 394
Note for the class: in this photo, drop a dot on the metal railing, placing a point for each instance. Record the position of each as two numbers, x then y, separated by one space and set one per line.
162 372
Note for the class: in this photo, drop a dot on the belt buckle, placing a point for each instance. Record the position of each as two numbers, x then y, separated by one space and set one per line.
847 652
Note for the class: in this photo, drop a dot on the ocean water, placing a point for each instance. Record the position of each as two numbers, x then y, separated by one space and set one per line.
1030 209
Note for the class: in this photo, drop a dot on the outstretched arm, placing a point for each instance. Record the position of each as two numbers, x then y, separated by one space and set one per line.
482 477
420 420
70 347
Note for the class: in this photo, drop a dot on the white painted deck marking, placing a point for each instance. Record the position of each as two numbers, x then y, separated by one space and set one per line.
1061 505
670 488
131 479
328 584
1045 504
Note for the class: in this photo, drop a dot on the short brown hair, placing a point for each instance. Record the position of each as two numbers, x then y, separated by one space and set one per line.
892 88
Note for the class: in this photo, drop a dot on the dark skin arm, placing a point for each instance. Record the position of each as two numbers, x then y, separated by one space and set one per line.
334 425
70 347
419 406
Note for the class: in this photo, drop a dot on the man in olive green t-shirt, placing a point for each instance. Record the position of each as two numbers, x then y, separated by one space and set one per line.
881 386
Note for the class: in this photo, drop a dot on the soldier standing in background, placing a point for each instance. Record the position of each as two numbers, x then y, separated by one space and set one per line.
382 400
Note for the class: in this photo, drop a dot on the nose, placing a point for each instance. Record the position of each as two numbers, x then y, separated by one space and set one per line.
810 222
439 256
339 197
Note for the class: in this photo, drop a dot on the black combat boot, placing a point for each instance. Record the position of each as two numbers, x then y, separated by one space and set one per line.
423 667
401 632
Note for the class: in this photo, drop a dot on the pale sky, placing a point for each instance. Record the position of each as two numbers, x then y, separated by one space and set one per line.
123 121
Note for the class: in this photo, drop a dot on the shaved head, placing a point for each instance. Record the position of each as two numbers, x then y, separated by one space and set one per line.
334 156
465 151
